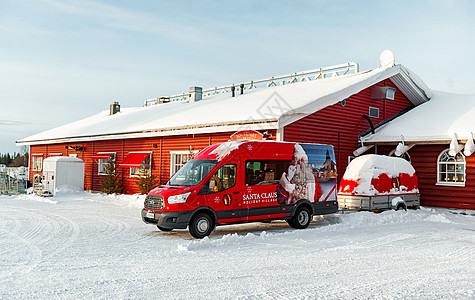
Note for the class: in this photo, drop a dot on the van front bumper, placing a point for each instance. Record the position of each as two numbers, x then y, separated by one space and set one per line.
170 220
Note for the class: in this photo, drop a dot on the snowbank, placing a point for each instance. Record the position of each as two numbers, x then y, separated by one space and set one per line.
73 194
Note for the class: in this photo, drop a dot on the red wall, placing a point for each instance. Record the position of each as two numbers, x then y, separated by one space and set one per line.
424 160
340 125
160 146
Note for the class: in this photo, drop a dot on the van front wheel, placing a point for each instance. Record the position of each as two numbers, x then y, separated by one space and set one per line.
201 225
301 219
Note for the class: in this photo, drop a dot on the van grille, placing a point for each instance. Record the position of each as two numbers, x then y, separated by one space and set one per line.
154 202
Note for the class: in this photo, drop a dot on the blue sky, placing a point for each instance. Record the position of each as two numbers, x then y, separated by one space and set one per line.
61 61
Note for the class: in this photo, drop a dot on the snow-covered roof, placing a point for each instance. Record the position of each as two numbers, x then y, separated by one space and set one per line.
267 108
441 119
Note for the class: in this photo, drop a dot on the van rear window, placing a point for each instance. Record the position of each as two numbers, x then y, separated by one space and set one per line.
262 172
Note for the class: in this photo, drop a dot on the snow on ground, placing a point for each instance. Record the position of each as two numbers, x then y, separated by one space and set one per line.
82 245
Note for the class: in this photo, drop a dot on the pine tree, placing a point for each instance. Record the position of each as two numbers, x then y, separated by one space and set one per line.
146 181
111 183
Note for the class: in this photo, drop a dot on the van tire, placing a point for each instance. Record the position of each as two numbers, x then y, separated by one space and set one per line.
301 219
201 225
164 229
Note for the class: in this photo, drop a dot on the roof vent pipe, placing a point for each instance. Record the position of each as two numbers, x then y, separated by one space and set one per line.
114 108
196 93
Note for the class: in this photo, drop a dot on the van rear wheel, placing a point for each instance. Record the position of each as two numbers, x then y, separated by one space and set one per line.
301 219
201 225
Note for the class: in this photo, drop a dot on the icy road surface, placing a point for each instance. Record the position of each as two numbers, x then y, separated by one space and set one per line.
84 246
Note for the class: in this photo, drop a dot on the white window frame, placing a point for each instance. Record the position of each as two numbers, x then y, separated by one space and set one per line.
135 172
101 163
174 166
375 109
451 183
55 154
37 164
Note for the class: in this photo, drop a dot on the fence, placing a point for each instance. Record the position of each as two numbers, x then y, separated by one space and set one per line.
240 88
9 185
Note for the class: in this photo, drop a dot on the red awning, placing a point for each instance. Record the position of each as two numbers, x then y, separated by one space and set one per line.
101 156
37 155
134 159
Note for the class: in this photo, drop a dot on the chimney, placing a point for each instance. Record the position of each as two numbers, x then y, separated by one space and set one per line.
114 108
196 93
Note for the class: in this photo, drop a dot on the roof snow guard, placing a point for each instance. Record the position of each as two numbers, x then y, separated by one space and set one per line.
320 73
269 108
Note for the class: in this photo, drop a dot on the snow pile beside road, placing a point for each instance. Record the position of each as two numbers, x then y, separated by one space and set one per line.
369 219
30 197
227 240
73 194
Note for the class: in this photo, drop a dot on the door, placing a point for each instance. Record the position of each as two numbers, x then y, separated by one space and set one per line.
223 194
48 181
260 195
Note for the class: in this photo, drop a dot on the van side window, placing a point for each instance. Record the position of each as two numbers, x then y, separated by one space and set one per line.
262 172
223 179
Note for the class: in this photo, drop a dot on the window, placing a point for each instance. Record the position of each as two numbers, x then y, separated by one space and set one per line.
193 172
223 179
451 169
374 112
262 172
103 159
37 162
179 159
55 154
145 168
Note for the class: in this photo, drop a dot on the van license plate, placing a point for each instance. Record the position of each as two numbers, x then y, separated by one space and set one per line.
150 215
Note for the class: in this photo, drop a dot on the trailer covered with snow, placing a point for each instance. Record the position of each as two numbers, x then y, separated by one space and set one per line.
376 182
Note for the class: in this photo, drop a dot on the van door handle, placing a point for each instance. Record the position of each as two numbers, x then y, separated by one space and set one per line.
237 192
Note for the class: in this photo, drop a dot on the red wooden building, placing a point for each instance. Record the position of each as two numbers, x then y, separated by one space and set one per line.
329 105
437 138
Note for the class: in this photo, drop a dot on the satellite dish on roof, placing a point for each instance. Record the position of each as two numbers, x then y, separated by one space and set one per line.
386 59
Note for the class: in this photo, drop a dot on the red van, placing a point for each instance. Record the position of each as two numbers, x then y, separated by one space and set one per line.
246 181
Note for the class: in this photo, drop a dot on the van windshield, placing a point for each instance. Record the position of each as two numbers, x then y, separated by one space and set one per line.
193 172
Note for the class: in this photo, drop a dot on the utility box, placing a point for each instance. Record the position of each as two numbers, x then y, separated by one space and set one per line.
62 171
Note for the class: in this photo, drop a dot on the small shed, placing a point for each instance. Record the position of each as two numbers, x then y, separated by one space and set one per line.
62 171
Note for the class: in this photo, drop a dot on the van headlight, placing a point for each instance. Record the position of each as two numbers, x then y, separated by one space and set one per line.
178 198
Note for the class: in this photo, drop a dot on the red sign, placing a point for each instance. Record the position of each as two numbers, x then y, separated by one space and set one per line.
246 135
